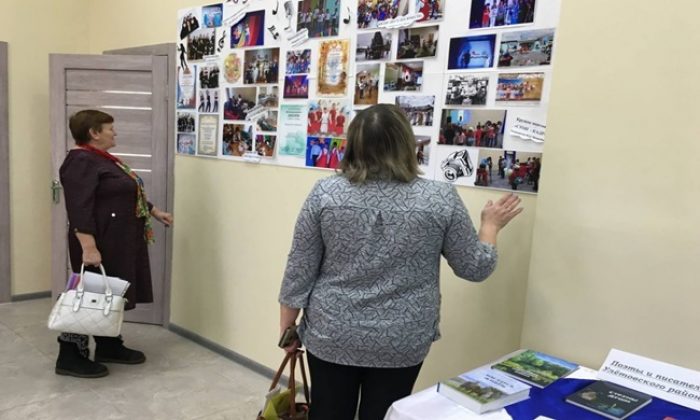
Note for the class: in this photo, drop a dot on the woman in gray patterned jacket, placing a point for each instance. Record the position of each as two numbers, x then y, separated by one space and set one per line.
365 263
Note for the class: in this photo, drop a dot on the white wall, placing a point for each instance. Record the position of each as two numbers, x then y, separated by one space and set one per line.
615 257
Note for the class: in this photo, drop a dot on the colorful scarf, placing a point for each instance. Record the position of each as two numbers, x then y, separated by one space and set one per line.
141 201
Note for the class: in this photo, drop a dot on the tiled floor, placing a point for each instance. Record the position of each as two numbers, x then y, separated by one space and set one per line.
180 379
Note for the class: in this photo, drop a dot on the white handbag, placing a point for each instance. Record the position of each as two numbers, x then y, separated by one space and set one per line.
82 312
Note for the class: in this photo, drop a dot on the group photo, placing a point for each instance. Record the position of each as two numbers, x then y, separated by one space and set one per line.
474 128
520 87
468 89
320 17
371 12
526 48
508 170
494 13
236 139
418 109
328 117
325 152
261 66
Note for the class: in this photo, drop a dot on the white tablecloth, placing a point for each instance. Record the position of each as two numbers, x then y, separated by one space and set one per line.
429 405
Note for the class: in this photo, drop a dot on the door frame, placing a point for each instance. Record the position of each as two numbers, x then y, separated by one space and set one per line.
168 50
58 124
5 245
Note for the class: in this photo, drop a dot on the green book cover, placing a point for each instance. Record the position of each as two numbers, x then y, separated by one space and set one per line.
535 368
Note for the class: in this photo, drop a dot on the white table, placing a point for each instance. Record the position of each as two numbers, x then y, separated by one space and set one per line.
429 405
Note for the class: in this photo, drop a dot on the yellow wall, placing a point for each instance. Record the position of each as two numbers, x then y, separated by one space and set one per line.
616 251
33 30
234 225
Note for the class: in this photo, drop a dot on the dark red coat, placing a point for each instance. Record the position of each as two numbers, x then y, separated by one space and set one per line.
101 200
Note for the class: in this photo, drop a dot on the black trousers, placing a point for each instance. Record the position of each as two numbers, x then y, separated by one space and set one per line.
335 389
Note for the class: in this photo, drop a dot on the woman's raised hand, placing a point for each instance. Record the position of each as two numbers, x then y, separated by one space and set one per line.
496 215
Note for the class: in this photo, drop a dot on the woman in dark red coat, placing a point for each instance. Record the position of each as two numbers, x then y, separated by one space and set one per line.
109 224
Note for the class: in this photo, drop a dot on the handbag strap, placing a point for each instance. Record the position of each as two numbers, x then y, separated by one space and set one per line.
81 285
278 375
303 375
299 354
291 358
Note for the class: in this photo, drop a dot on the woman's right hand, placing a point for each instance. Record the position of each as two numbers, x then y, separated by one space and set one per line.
92 256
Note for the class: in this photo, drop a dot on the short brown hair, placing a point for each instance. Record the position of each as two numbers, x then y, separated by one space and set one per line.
81 122
381 145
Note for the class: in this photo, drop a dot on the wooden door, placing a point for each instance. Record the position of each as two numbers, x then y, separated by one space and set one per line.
133 89
5 286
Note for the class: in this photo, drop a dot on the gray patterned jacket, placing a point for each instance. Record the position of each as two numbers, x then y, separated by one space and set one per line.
365 265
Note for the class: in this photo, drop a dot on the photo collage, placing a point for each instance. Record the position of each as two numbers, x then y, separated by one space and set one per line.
233 102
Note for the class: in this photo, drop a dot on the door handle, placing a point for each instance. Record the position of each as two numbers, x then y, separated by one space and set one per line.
56 191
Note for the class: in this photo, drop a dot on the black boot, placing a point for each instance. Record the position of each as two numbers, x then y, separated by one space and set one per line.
70 362
112 350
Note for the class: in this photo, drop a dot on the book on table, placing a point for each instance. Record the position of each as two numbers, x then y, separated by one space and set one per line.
535 368
483 390
609 400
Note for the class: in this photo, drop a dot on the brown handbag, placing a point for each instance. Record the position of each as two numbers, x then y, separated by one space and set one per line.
283 405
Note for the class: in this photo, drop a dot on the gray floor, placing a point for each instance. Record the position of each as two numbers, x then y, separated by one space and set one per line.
180 379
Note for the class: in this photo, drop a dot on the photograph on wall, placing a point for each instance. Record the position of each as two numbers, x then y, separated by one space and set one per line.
182 52
404 76
233 68
526 48
471 52
212 15
189 22
371 12
249 31
238 101
186 144
261 66
430 9
269 96
495 13
208 134
520 87
208 100
208 76
467 89
508 170
320 17
366 84
236 139
265 144
185 122
375 45
292 130
333 67
418 109
296 86
325 152
201 43
456 164
472 127
186 89
423 150
298 61
417 42
328 117
267 122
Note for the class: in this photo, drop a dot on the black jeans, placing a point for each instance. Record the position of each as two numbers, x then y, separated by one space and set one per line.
335 389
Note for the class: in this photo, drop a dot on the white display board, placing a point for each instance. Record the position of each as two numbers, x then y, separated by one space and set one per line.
283 79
